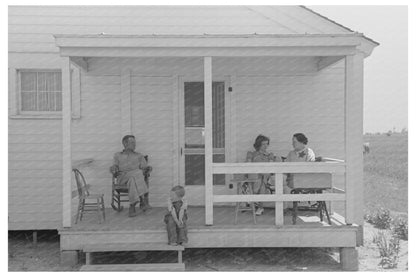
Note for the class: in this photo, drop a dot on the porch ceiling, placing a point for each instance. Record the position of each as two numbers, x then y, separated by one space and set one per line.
212 45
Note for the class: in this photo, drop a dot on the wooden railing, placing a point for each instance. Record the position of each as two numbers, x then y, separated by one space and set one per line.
279 169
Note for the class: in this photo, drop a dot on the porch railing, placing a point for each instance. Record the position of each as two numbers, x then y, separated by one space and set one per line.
332 167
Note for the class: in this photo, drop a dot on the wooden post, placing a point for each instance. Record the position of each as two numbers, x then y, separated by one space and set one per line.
176 142
349 258
88 258
209 207
179 256
354 138
279 218
125 102
66 143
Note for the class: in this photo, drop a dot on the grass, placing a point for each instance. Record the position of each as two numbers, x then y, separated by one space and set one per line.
385 173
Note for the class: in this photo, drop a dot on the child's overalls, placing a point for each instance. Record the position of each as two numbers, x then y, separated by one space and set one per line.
175 233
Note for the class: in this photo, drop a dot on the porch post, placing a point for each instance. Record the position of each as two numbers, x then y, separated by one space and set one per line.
66 143
354 138
279 218
209 207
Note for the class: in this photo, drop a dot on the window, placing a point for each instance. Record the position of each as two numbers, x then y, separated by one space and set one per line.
40 91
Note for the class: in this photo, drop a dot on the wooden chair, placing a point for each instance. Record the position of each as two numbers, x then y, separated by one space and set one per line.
245 187
85 204
120 193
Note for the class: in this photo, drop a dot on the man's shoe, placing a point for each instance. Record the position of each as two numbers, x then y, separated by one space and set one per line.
145 206
146 201
132 211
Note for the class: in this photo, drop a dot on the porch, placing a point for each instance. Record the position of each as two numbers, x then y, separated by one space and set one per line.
149 227
336 124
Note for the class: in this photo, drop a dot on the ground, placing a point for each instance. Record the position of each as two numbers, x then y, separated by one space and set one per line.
385 178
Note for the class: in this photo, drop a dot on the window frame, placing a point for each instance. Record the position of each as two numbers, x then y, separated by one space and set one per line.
19 93
15 94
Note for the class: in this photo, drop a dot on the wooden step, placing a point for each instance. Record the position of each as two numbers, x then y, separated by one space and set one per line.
135 267
109 247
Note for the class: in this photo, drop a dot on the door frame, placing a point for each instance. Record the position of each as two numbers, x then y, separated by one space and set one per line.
196 193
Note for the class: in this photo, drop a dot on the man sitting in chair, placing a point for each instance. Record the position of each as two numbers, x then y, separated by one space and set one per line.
129 166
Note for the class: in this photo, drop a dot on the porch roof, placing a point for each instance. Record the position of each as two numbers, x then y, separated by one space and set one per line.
104 45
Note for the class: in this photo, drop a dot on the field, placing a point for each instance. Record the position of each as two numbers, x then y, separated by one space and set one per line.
385 179
385 173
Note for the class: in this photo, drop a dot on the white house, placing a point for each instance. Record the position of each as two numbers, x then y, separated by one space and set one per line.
82 77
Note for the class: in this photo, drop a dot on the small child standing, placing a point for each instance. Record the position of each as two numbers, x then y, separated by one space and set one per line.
176 217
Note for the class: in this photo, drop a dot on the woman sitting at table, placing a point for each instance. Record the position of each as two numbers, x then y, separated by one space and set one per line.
300 153
261 155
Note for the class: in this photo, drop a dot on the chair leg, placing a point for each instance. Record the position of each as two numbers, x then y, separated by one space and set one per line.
295 208
78 211
327 214
82 209
253 209
321 214
294 212
113 195
118 202
103 207
237 209
99 210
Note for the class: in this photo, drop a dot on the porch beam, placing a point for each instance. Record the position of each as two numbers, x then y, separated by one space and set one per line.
66 142
209 207
324 62
354 138
122 41
80 62
272 51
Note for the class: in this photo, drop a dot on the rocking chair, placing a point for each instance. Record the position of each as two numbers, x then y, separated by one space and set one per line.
120 193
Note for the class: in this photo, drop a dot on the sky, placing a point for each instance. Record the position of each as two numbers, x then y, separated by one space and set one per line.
386 70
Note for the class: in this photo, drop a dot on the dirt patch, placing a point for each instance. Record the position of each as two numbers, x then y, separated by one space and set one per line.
369 256
24 256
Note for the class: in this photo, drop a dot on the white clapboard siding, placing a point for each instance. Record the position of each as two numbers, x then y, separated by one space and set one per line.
153 128
311 104
223 66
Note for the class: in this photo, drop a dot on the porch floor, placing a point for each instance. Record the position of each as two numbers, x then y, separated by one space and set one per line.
149 228
223 218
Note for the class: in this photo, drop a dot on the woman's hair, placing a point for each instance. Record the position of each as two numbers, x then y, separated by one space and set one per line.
301 138
126 138
259 140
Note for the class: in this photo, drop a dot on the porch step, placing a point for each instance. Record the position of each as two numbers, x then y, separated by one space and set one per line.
135 267
109 247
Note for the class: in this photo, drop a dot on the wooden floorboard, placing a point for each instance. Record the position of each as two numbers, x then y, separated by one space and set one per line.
223 218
